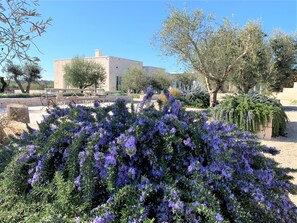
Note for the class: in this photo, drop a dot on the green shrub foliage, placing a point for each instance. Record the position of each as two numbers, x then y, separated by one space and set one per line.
112 164
252 111
195 98
23 95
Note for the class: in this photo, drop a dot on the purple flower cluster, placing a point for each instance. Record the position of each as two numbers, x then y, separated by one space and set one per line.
170 165
147 98
36 174
106 218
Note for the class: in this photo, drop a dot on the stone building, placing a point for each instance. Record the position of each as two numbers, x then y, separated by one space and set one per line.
114 67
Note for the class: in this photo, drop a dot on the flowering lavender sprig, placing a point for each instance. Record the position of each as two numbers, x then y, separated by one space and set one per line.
147 98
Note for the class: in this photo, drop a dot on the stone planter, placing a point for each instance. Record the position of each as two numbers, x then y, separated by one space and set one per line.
18 112
265 132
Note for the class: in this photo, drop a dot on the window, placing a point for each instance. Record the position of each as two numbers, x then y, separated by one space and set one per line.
118 83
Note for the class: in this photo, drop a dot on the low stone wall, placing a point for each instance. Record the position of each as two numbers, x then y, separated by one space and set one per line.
220 96
288 93
23 101
31 92
37 101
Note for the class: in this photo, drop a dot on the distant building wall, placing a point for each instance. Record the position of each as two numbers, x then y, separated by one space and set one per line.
59 70
104 61
59 73
115 68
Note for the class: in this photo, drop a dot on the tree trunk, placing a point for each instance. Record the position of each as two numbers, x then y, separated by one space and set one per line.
3 83
20 85
28 87
82 89
213 98
213 91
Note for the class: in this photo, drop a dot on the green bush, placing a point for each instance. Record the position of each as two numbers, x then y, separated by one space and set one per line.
6 155
195 98
23 95
72 94
116 165
252 111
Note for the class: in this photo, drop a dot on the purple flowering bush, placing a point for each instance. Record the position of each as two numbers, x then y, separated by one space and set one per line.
112 164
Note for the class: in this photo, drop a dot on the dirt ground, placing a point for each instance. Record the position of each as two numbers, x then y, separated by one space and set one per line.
287 145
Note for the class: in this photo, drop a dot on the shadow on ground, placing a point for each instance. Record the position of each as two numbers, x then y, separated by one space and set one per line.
291 133
290 108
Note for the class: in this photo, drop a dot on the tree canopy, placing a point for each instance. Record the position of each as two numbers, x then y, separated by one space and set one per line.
185 80
283 59
160 81
82 73
20 24
135 79
253 68
269 65
30 72
213 50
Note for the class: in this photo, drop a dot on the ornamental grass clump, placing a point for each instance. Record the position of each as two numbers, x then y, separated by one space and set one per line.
112 164
195 97
162 98
251 112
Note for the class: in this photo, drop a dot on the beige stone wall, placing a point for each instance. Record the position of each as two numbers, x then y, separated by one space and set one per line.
118 67
114 66
104 61
59 71
31 92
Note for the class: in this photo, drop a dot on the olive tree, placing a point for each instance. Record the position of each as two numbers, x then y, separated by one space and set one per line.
20 24
160 80
269 64
25 75
135 79
82 73
3 84
212 50
283 60
185 80
253 68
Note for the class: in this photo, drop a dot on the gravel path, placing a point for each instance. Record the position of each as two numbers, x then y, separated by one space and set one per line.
287 145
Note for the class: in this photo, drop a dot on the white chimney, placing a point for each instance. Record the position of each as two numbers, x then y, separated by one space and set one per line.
98 53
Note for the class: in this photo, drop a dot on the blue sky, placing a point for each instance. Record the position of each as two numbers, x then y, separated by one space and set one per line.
125 28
